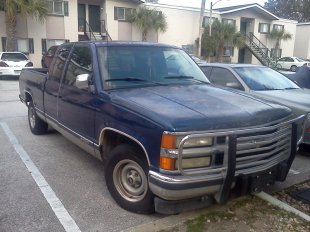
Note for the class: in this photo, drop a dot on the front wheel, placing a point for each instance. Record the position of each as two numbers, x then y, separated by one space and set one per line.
126 178
36 124
294 68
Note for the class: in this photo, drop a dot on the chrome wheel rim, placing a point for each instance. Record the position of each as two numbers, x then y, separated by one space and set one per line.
32 118
130 180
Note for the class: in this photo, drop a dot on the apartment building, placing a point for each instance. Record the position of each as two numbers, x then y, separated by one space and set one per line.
302 41
78 20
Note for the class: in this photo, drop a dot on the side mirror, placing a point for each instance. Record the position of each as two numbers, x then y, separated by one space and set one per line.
81 81
233 85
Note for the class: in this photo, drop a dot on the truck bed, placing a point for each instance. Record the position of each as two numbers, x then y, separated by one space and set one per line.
31 83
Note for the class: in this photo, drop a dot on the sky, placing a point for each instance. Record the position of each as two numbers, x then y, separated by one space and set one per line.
222 3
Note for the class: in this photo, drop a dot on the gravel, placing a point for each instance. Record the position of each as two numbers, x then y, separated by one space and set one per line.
286 196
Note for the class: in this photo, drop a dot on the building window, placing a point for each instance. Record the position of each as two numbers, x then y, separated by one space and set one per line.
229 21
264 28
228 51
47 43
278 27
206 21
122 13
22 45
57 7
189 48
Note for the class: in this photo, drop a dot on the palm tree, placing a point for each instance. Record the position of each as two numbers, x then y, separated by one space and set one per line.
279 35
35 8
222 34
148 19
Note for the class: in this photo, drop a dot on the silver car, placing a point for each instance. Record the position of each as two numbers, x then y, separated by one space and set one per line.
265 83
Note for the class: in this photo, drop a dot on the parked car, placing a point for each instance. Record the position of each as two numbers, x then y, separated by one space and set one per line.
166 135
265 83
11 63
291 63
197 59
48 56
301 77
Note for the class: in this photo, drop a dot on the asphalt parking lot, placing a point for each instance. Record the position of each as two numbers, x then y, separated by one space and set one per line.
73 176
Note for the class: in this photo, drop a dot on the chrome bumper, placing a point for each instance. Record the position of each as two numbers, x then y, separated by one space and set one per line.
252 159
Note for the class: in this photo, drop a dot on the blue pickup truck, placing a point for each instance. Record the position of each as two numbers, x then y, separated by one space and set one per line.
164 133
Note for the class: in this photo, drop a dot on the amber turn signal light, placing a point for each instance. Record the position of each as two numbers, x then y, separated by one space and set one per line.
167 163
168 141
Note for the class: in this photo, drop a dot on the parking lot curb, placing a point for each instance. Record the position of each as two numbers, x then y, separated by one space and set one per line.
282 205
169 222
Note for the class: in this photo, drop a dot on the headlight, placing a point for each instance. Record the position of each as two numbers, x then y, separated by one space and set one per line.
200 162
198 142
172 142
169 152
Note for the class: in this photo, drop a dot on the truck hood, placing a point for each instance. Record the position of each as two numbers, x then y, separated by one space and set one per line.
297 99
198 107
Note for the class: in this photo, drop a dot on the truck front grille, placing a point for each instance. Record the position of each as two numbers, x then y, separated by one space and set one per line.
261 150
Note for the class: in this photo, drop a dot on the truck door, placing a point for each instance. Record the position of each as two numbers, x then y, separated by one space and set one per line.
53 82
76 110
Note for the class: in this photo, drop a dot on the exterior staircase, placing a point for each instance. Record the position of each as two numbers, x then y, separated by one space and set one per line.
260 51
90 35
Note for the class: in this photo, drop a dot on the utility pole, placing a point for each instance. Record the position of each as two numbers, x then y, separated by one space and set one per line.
201 29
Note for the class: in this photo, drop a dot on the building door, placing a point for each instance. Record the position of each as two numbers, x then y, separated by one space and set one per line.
243 26
81 17
94 17
241 56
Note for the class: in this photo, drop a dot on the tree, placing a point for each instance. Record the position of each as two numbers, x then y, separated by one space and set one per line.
223 34
148 19
279 35
290 9
34 8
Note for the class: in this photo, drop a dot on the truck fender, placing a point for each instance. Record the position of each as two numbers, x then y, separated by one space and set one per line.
134 140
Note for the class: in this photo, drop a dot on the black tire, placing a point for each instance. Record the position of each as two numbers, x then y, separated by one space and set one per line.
132 191
36 124
43 64
278 66
293 68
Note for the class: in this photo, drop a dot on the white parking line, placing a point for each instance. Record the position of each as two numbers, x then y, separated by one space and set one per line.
294 172
61 213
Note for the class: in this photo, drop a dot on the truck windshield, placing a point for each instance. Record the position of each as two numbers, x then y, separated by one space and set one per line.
136 66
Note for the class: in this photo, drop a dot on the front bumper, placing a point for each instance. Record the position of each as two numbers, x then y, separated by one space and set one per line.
177 188
253 159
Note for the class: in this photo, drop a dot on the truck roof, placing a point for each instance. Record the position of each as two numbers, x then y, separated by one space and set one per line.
126 43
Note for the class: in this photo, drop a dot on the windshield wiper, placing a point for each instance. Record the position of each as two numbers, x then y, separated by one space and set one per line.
133 79
291 88
180 77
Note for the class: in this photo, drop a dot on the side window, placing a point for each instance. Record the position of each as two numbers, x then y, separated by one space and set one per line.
282 59
80 62
224 77
206 71
290 59
59 61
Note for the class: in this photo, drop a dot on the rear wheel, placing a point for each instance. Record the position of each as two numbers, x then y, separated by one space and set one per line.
293 68
126 178
36 124
278 66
